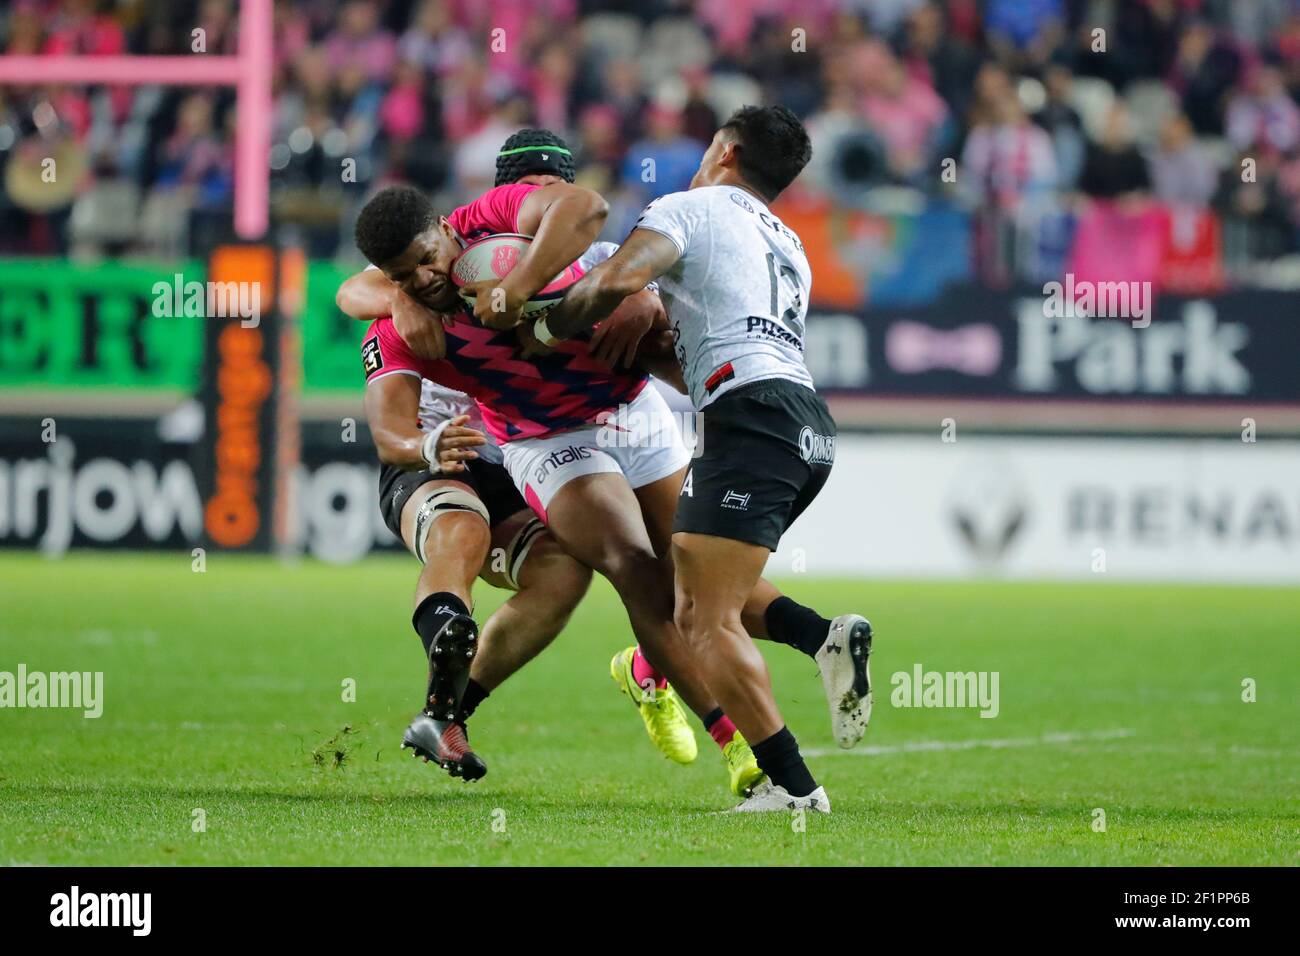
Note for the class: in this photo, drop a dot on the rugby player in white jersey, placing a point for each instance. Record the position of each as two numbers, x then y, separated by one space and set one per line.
735 282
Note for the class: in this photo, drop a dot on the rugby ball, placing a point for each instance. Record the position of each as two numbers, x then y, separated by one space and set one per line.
492 257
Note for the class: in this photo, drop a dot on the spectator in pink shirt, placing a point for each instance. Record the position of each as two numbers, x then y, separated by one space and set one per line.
730 21
292 35
78 29
469 95
905 112
402 112
512 29
360 45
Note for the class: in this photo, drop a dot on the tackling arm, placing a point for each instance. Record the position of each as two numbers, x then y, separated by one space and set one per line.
371 295
368 295
644 257
393 411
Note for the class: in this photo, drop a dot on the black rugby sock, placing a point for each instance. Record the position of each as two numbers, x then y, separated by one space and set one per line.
429 618
789 622
433 613
778 757
475 694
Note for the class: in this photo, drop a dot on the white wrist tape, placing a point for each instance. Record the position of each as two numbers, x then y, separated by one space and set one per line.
429 447
543 334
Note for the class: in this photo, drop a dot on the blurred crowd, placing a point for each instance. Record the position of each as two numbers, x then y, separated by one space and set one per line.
1017 112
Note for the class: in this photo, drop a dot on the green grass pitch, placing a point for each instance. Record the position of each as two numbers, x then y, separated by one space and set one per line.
223 693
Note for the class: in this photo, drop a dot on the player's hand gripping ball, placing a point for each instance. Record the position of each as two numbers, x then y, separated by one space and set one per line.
479 269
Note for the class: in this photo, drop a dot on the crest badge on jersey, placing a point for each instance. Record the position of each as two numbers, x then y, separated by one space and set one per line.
742 202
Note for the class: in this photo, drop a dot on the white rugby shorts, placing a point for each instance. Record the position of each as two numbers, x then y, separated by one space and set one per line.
641 440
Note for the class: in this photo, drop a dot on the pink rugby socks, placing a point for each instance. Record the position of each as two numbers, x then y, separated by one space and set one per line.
720 727
642 672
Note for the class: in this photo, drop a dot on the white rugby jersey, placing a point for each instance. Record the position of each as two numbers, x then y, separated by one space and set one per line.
596 253
439 403
737 299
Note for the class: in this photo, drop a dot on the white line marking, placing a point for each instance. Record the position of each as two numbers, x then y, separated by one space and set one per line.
993 743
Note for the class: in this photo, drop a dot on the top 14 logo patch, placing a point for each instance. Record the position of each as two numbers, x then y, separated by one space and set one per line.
372 359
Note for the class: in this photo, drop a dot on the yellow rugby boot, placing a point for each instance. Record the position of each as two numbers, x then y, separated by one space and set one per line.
742 767
661 711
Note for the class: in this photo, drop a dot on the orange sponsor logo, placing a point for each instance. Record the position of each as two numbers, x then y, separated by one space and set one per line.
232 517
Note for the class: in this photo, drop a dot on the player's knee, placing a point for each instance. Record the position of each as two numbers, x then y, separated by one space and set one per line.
572 580
702 623
684 618
632 568
459 529
447 520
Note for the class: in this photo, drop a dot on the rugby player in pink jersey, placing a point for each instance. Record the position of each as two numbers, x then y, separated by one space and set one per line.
610 504
458 512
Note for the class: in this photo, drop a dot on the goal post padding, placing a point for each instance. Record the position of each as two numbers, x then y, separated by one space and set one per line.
249 386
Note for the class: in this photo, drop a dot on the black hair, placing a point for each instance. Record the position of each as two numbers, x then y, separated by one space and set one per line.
391 220
533 151
773 146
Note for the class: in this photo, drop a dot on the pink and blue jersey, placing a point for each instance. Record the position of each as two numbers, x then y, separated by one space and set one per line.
519 397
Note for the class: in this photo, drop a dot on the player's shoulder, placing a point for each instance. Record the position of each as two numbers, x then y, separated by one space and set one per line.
494 211
380 333
508 191
718 204
768 220
739 200
698 197
679 216
383 351
501 194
